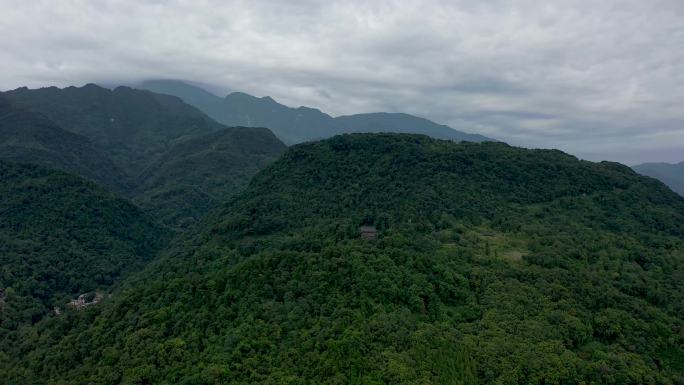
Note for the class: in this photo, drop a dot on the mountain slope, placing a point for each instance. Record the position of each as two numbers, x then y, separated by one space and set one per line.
198 173
492 265
670 174
60 236
296 125
132 127
178 162
292 125
30 137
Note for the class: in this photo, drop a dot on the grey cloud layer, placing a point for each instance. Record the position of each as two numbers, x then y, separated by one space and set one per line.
599 79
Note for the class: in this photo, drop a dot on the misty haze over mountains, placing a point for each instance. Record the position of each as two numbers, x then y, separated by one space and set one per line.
295 125
670 174
291 125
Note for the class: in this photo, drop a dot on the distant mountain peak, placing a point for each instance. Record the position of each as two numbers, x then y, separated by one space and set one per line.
238 94
245 96
92 85
188 86
670 174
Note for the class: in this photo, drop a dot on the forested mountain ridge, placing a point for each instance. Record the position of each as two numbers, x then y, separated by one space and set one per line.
670 174
30 137
491 265
296 125
61 236
133 127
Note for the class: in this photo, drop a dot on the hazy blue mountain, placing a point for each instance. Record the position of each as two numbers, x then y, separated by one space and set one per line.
402 123
192 95
670 174
296 125
133 127
30 137
291 125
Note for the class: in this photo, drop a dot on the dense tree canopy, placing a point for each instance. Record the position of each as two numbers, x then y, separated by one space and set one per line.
61 236
198 173
492 265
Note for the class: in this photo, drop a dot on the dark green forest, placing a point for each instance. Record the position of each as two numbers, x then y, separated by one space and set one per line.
61 236
198 173
492 265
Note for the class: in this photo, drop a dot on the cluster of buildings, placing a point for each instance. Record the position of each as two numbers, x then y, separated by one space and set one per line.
82 302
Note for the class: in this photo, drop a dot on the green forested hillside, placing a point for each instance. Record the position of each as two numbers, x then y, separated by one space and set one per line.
132 127
198 173
61 236
492 265
32 138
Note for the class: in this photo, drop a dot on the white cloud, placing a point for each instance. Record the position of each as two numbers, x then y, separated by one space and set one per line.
599 79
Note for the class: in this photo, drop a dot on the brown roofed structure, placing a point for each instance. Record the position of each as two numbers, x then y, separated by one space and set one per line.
368 232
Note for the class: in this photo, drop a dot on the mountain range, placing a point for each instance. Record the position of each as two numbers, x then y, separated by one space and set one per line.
296 125
164 154
144 242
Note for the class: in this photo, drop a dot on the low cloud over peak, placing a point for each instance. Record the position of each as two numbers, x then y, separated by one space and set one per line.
601 80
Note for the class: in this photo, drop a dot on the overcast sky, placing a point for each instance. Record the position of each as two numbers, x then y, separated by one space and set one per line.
599 79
